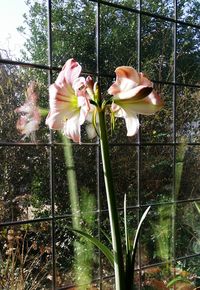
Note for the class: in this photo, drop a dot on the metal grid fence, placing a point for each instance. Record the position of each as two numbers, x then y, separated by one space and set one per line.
142 148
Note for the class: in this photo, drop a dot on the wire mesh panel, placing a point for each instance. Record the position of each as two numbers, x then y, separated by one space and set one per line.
49 185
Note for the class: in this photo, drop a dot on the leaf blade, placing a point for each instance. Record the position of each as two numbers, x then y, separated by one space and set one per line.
105 250
133 254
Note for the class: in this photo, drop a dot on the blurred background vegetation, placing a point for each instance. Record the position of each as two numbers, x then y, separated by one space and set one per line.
168 174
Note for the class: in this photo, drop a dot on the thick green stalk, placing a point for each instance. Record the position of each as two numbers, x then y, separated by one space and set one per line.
72 183
112 207
82 264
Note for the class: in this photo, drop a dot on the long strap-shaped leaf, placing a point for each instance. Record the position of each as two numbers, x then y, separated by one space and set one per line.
129 270
179 279
125 226
137 235
107 237
105 250
197 207
130 254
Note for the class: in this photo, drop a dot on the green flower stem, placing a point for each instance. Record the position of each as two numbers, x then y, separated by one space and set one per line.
43 111
112 207
82 261
72 182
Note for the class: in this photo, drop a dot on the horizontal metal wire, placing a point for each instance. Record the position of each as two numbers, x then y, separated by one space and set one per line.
105 210
96 144
146 13
138 144
101 75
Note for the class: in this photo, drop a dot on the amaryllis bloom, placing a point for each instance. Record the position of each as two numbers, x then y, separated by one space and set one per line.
69 101
30 117
133 94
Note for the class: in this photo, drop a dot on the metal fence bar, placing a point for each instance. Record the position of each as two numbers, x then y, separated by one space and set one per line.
174 137
111 76
98 153
139 12
51 156
139 27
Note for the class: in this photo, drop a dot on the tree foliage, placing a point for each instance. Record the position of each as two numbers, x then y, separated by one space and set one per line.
74 34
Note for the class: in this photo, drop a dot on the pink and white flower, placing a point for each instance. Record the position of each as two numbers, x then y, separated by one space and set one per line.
69 101
30 117
133 94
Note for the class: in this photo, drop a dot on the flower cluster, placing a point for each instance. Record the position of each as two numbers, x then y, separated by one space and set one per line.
30 118
73 99
133 94
70 101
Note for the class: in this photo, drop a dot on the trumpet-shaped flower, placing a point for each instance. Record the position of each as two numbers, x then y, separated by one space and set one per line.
30 117
133 94
69 101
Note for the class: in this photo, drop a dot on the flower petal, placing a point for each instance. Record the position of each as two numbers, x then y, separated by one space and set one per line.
132 125
126 78
83 114
30 127
59 111
79 86
149 105
91 132
140 108
90 87
145 81
55 120
139 104
25 108
30 119
72 128
135 94
72 70
131 120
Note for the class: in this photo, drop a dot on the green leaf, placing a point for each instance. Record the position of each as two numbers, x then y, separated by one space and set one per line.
178 279
137 235
106 236
94 122
129 269
125 227
197 207
105 250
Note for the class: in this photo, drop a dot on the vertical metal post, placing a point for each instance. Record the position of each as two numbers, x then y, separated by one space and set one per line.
139 23
174 135
51 167
98 158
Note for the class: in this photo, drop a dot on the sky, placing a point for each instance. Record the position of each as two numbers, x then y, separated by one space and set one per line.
11 12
